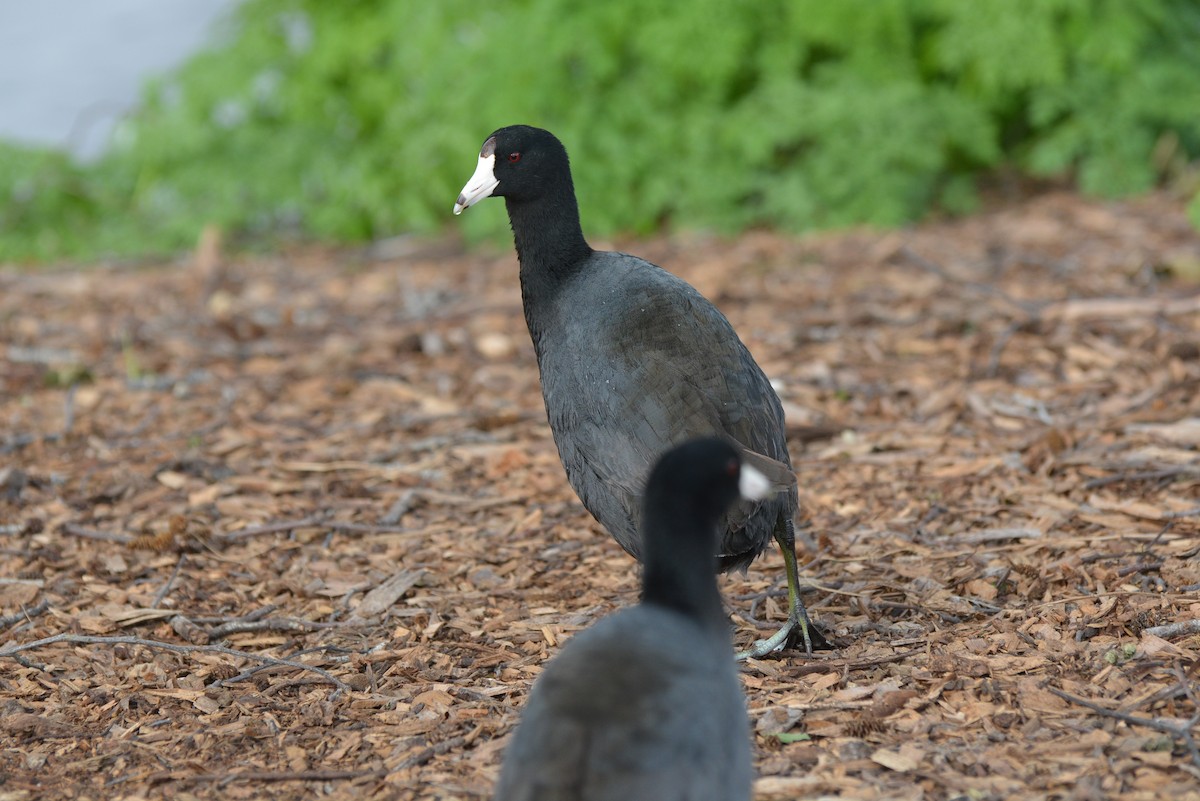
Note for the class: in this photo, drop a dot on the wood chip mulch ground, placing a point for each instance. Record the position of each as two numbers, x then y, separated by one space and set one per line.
293 526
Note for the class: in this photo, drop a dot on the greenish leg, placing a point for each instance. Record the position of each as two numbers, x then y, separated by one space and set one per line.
798 620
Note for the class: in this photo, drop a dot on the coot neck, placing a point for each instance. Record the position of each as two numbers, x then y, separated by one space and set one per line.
550 247
680 568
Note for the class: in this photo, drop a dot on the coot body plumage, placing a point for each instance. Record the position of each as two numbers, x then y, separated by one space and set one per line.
632 360
647 704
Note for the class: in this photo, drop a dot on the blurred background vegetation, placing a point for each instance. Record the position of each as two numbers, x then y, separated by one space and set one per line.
350 121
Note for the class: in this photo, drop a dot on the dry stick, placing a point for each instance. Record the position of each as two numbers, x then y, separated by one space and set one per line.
24 614
267 776
76 530
1084 308
421 757
1183 732
272 528
946 617
253 531
1109 594
1174 629
1193 512
1088 559
270 624
997 351
251 672
1183 675
365 528
161 594
317 521
1167 694
852 664
1140 567
83 639
257 614
280 686
1142 475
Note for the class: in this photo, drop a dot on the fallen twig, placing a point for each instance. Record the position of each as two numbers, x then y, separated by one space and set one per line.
1174 629
826 666
24 614
946 617
269 776
1182 675
257 614
1070 599
313 521
161 594
365 528
1193 512
280 686
76 530
1122 308
421 757
1142 475
997 351
272 528
254 671
84 639
1140 567
1183 732
20 441
269 624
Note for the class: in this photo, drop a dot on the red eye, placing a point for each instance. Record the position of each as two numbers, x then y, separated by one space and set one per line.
513 158
732 468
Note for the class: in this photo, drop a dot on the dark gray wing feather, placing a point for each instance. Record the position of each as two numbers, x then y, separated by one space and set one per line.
645 705
664 367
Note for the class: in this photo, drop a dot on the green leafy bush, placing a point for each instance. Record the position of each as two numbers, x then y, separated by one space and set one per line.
359 119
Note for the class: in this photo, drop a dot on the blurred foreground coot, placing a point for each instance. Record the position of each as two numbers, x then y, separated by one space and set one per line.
646 704
633 360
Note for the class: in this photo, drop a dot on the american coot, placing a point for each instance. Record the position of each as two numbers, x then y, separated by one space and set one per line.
646 704
633 360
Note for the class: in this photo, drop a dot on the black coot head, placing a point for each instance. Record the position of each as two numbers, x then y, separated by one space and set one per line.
709 474
518 162
689 489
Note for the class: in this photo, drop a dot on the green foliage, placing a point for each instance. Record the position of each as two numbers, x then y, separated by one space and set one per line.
359 119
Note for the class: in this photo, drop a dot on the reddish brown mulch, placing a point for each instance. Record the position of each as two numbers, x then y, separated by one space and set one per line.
342 461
